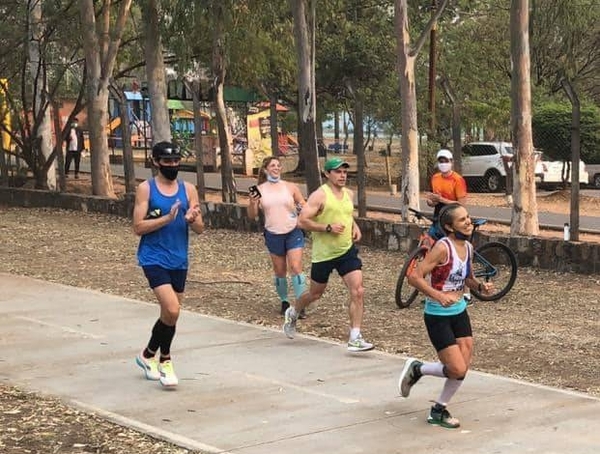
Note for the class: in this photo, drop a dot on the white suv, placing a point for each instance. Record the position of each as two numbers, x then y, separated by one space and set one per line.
483 165
593 171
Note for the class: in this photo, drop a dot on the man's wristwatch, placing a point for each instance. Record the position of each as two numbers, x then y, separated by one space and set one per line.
328 228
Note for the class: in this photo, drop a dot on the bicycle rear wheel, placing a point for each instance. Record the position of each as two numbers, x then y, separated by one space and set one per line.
406 293
494 262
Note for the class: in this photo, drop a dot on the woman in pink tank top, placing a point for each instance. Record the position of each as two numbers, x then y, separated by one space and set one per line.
280 202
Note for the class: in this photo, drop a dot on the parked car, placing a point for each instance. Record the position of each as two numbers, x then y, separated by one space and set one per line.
338 147
553 172
483 165
593 171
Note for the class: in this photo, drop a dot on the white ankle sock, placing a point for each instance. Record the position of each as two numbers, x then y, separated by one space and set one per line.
354 333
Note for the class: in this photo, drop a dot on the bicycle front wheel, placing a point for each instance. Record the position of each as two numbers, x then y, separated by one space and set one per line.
406 293
494 262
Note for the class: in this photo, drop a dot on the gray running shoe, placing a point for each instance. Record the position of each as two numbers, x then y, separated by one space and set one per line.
409 376
289 325
359 345
442 417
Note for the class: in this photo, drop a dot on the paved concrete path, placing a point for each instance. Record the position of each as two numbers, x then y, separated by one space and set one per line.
248 390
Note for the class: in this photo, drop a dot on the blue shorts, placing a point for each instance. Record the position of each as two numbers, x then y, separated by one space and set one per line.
157 275
280 243
344 264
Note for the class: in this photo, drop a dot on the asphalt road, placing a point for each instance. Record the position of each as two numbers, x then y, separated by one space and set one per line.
391 204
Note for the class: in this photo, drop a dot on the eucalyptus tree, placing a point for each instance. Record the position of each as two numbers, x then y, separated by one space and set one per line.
38 61
407 54
246 43
102 33
524 220
353 64
567 36
153 12
304 13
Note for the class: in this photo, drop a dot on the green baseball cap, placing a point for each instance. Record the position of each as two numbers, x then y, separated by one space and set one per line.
335 163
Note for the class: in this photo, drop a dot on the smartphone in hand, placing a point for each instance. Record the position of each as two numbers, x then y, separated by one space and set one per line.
254 192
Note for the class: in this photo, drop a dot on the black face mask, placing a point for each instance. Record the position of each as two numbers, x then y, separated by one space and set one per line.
461 236
169 172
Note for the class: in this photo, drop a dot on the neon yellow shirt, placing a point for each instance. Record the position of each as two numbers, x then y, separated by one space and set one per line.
329 246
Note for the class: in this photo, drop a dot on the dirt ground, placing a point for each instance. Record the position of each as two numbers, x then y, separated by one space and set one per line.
544 331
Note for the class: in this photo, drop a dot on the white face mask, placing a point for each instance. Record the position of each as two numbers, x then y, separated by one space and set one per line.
445 166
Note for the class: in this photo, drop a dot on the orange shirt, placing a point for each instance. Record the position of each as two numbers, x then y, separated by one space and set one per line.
451 187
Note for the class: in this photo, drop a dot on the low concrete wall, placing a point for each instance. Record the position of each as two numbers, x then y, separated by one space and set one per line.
546 253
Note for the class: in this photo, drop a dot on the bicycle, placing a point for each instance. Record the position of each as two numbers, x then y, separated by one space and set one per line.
492 262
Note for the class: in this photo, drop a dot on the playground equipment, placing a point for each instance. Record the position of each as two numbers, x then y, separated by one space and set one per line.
4 115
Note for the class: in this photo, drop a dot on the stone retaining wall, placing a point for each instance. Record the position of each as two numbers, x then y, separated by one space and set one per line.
546 253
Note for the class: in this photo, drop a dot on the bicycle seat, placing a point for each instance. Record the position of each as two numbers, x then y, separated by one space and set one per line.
478 222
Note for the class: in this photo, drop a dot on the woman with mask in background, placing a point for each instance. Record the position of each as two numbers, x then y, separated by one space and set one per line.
280 202
165 209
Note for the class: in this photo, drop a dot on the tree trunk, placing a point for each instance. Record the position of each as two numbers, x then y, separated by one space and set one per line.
307 136
228 189
42 130
97 109
155 74
58 145
524 215
409 169
128 165
194 87
100 46
359 150
407 54
273 125
575 156
456 124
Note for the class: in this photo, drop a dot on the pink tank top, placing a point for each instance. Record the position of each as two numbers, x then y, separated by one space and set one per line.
279 208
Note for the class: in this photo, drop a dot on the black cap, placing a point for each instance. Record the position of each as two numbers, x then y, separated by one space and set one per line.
165 150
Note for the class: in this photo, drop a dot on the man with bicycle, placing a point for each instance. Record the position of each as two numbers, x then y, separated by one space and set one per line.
447 186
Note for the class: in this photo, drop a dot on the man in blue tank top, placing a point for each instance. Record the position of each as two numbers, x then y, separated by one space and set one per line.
165 209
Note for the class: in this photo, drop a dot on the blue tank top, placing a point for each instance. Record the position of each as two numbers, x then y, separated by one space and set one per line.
168 246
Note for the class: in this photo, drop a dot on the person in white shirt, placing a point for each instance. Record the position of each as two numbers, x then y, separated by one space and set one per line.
75 144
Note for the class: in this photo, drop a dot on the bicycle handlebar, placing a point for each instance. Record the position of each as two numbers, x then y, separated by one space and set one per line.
420 215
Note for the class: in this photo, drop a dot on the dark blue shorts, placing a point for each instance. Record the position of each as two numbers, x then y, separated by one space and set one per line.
443 330
157 275
279 244
344 264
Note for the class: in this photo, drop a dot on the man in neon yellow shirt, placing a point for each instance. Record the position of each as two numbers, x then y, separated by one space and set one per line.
328 213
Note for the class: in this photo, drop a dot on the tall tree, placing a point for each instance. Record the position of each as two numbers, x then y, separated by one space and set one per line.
155 71
304 15
219 68
41 103
524 215
101 44
407 55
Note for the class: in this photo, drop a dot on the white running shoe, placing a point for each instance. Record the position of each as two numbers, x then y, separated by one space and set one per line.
410 375
359 345
289 325
167 374
149 366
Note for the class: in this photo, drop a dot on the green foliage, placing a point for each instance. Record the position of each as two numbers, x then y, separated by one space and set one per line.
552 131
